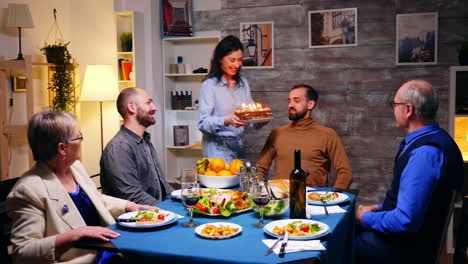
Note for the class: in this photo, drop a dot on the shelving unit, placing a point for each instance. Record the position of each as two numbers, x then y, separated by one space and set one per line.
14 68
197 52
74 68
458 128
125 22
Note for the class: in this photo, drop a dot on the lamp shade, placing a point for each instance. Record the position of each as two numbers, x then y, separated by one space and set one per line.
19 16
100 84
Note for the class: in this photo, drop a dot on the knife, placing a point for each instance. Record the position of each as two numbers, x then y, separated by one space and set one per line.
122 220
283 245
274 245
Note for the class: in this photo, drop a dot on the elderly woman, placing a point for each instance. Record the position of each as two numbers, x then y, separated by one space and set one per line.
56 203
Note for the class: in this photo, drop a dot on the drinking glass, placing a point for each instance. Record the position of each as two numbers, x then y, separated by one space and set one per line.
189 176
259 194
190 197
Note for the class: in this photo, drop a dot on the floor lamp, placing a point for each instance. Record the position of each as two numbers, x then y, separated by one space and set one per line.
100 85
19 17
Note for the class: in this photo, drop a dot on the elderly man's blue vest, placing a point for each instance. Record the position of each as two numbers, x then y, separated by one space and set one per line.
451 179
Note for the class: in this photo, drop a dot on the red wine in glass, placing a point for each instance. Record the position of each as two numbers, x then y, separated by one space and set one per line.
190 200
261 201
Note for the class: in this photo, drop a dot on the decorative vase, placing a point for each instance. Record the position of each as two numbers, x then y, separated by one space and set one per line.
126 69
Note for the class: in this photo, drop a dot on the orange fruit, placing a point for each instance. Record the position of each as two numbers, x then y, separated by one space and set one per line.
235 166
223 173
210 173
226 166
217 164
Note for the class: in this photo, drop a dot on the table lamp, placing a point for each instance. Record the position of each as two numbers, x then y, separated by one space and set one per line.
100 85
20 17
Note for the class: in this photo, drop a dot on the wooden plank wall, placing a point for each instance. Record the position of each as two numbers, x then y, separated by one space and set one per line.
355 83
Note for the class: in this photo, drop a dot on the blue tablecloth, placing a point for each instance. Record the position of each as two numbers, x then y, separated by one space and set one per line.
177 244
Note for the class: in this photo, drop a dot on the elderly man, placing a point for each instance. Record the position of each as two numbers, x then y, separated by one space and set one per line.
129 165
321 147
408 225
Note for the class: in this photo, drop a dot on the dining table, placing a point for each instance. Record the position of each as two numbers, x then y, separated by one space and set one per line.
175 243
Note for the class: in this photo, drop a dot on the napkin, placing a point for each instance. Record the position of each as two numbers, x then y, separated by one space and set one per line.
318 210
295 245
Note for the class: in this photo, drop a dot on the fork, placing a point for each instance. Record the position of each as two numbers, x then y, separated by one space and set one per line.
325 206
280 237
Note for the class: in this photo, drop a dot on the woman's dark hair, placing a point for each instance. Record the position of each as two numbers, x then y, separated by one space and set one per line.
225 47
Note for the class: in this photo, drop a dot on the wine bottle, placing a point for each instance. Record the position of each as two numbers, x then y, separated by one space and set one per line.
297 188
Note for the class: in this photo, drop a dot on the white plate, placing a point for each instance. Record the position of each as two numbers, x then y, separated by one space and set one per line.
177 194
170 218
281 223
259 120
199 229
340 199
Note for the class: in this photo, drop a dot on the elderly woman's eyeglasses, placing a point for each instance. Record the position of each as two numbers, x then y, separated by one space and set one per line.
80 138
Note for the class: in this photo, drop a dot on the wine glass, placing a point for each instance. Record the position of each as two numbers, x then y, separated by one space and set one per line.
259 194
190 197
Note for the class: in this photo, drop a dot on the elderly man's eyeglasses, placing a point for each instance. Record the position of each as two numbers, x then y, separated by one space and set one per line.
393 103
80 138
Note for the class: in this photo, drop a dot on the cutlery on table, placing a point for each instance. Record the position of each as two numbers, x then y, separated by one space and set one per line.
121 220
280 237
325 206
283 245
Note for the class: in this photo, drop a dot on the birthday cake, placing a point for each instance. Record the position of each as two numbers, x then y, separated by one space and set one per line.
252 111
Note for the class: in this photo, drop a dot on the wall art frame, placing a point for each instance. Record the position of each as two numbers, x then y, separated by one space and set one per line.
333 28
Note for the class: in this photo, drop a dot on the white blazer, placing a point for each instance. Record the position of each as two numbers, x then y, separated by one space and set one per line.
38 204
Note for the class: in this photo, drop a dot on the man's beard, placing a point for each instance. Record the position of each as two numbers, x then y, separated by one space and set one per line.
298 115
144 119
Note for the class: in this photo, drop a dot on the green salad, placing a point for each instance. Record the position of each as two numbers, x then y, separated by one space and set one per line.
273 208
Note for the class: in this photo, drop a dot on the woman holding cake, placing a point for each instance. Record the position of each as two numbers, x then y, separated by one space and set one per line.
222 92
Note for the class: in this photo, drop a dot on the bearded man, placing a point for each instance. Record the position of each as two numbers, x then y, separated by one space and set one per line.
129 164
320 146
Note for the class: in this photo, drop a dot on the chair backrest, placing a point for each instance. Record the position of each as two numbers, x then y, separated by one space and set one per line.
443 234
97 181
5 221
461 239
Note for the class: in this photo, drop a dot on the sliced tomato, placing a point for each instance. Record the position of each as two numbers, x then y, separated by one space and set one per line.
201 207
145 218
335 194
161 217
215 210
304 229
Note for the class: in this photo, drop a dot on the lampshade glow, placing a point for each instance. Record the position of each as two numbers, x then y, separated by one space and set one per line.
100 84
19 16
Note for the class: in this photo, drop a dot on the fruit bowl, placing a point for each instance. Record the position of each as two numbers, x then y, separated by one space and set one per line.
219 181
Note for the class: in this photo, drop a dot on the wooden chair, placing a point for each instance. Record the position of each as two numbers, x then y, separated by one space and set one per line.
5 221
461 239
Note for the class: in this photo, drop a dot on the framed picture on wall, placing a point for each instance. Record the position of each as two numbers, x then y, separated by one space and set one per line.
333 28
19 83
176 18
181 135
416 38
257 39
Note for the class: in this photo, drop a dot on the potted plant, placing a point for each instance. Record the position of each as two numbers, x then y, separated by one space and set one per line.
61 82
463 53
126 40
57 53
